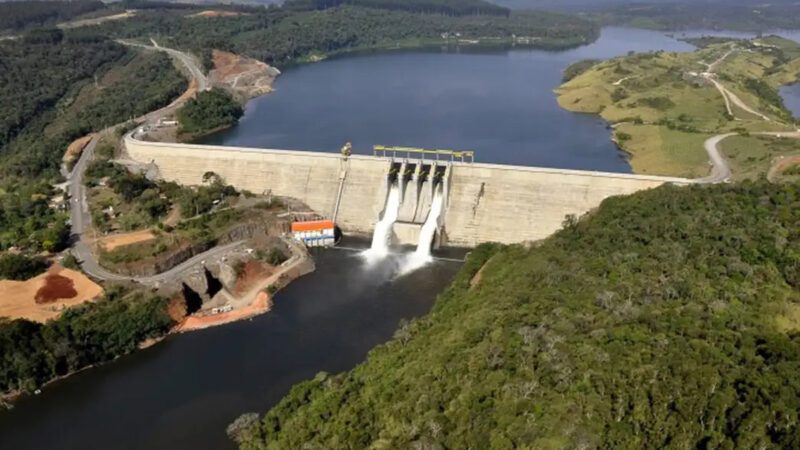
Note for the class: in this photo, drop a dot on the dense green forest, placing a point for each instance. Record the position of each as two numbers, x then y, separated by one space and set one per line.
446 7
52 91
684 15
209 111
20 267
35 73
18 15
285 36
32 353
666 319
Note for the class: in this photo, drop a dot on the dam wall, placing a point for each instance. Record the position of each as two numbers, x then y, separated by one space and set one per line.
483 202
507 204
313 178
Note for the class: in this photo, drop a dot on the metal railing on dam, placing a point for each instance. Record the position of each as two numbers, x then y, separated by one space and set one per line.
483 202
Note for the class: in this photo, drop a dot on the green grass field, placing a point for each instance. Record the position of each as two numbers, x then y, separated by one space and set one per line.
665 108
750 157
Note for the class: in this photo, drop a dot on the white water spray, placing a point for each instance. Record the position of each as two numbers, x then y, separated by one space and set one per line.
383 229
422 255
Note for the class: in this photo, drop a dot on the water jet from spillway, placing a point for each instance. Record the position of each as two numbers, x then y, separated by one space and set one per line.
422 255
382 235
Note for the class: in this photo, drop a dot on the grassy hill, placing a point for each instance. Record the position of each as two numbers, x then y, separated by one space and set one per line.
669 318
664 108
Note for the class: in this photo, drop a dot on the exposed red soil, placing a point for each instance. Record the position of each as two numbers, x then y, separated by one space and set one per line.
56 287
260 305
253 272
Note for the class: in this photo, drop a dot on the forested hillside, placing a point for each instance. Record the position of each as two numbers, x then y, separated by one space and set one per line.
17 15
666 319
285 36
446 7
54 88
38 70
209 111
32 353
691 15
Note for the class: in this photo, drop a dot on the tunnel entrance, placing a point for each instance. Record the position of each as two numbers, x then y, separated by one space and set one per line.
193 300
214 285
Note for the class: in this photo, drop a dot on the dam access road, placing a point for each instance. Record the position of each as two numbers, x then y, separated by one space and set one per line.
80 218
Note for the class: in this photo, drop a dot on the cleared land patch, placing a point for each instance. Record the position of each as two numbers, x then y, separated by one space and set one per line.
751 157
76 147
244 76
44 297
114 241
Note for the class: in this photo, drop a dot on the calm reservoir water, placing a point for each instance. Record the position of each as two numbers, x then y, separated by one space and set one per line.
499 104
183 392
791 98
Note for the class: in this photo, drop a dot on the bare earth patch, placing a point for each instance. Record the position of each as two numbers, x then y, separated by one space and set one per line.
781 165
55 287
216 13
246 77
260 305
76 147
98 20
121 240
44 297
254 273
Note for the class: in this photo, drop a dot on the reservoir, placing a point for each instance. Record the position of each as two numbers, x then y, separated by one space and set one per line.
791 98
500 104
183 392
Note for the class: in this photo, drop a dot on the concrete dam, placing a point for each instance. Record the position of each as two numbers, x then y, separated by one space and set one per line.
478 202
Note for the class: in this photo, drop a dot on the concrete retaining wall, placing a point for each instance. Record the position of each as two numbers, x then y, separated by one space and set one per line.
485 202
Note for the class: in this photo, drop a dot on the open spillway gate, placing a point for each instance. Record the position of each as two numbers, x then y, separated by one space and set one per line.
419 179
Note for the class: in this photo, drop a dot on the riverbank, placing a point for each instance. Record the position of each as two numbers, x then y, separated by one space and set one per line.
299 264
183 392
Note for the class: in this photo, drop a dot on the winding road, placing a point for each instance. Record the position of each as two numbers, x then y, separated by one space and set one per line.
720 170
80 218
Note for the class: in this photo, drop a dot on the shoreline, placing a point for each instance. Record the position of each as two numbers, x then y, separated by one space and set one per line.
260 304
301 263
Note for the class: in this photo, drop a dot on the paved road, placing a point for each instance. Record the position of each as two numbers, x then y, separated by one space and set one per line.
188 61
720 170
80 217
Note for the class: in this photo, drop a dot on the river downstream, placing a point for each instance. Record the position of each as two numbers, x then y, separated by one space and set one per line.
183 392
